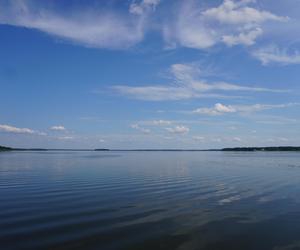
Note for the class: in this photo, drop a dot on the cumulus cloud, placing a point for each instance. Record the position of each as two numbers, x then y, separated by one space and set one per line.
187 84
11 129
95 27
15 130
238 12
273 54
216 110
178 130
246 38
232 22
58 128
221 109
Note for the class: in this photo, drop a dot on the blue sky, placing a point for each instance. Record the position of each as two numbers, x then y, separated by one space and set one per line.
149 73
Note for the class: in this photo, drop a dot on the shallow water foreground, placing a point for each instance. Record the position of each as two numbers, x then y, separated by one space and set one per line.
150 200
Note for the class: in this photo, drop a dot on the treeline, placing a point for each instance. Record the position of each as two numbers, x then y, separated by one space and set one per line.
249 149
262 149
5 148
2 148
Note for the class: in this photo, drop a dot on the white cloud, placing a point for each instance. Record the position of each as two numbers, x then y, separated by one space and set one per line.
189 75
275 119
58 128
65 138
156 123
141 129
283 139
237 139
199 138
188 29
278 140
92 27
178 130
232 22
216 110
11 129
143 6
221 109
216 139
15 130
155 93
273 54
242 38
187 84
237 12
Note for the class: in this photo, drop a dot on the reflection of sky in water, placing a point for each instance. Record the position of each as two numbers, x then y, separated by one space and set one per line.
184 200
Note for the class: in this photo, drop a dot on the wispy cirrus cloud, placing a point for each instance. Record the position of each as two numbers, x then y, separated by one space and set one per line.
187 84
221 109
90 27
141 129
274 55
274 120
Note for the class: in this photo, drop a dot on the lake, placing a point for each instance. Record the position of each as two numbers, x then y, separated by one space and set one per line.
150 200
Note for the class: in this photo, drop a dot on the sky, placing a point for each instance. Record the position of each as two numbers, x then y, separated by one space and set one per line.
149 74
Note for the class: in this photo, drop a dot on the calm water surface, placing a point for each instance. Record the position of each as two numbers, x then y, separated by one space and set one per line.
150 200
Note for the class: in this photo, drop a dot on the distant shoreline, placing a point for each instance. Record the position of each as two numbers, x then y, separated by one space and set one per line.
236 149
